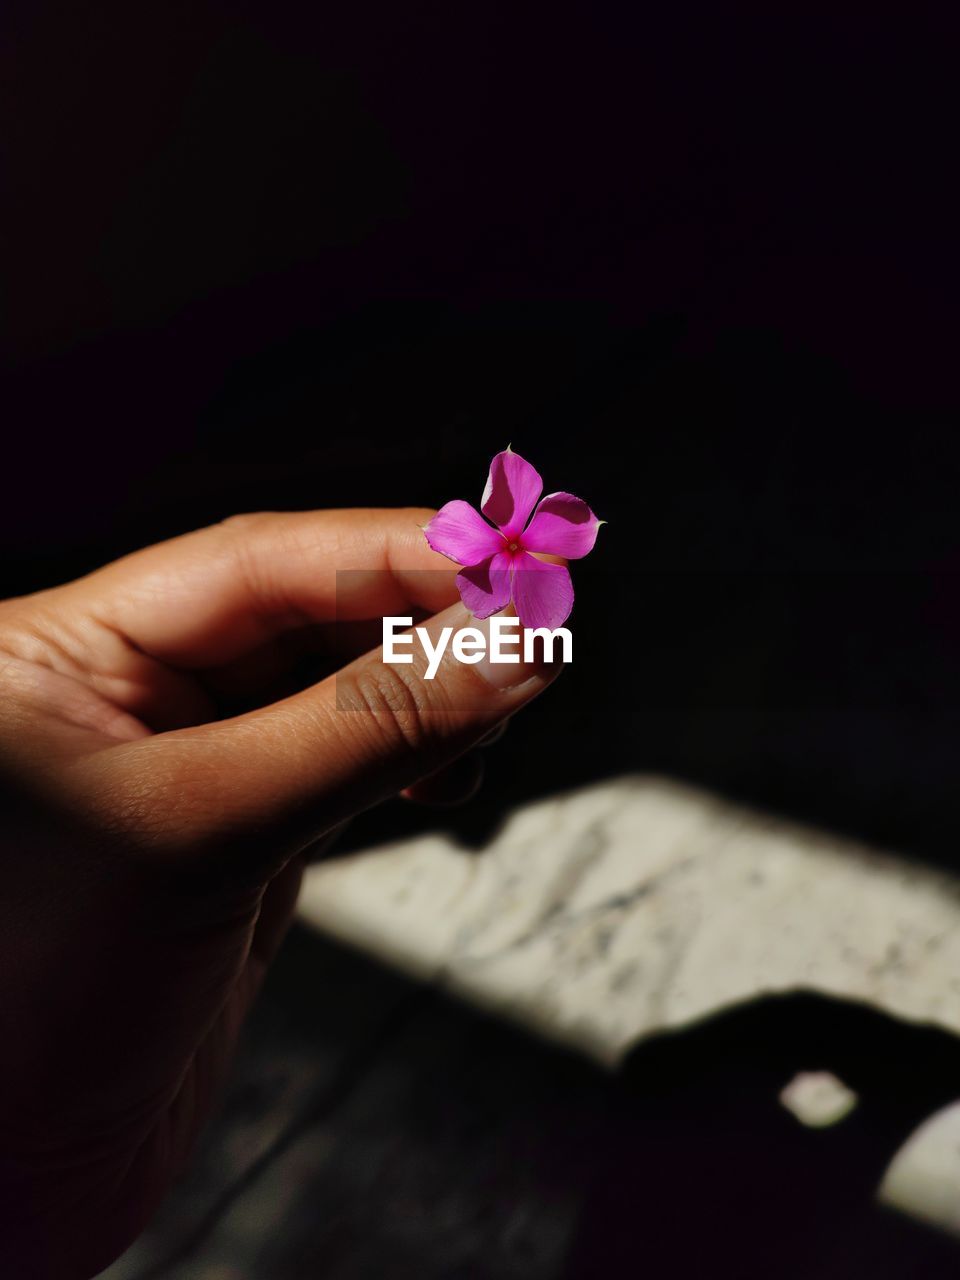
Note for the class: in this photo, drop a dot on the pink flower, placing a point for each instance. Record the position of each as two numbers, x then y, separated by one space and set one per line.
497 565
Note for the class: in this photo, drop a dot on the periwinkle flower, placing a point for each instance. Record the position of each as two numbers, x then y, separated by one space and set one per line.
498 567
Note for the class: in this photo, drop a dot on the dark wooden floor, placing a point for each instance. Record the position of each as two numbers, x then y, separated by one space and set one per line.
375 1130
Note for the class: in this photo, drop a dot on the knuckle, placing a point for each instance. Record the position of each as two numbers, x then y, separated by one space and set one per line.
396 707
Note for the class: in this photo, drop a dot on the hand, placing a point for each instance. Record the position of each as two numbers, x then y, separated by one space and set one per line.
153 844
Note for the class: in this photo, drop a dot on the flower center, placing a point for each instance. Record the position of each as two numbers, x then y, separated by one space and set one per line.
514 546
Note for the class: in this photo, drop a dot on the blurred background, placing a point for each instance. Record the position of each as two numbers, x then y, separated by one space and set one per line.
699 265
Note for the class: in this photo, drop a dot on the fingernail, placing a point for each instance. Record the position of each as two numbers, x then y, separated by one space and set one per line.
511 670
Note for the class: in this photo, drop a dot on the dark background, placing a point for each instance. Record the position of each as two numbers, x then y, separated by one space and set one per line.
697 262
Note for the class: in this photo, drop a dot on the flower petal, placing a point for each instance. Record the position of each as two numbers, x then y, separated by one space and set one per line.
513 487
562 525
485 588
460 532
542 593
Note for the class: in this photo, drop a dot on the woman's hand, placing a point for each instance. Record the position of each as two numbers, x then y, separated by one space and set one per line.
163 769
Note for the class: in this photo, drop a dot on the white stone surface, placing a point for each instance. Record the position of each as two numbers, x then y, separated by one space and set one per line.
610 913
818 1099
924 1178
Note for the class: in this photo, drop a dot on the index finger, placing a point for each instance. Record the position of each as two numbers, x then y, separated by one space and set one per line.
209 597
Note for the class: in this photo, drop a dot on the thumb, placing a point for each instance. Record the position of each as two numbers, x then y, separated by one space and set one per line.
273 779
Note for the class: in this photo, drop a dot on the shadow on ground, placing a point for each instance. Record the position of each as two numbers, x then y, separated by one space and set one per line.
704 1173
377 1130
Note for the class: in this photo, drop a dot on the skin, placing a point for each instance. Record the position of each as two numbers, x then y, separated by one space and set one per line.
164 771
